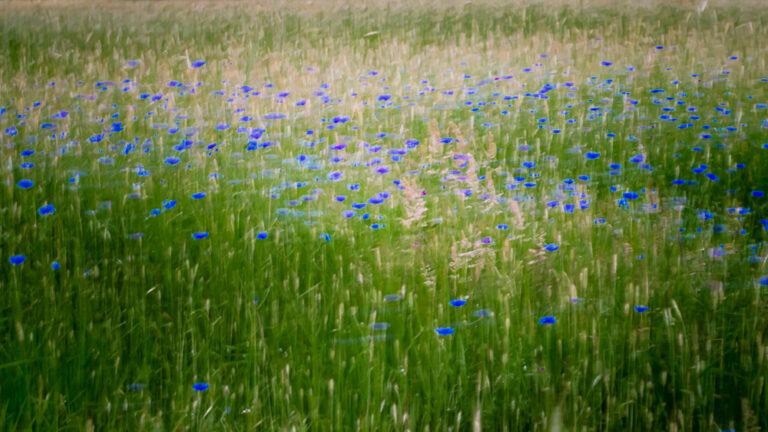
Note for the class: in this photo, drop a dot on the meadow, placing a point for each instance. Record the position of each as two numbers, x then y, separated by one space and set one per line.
426 216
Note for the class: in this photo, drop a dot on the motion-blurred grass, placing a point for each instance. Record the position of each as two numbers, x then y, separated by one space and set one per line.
116 337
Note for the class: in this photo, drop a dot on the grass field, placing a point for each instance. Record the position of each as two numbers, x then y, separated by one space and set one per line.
383 216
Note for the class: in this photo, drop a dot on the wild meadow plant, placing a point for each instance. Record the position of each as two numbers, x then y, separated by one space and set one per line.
338 216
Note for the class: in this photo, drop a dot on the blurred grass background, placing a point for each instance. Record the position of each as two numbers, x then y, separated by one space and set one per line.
115 339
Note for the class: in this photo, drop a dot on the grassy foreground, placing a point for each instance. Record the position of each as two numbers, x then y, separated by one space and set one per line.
332 216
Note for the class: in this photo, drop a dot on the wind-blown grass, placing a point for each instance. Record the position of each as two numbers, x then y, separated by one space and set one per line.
261 305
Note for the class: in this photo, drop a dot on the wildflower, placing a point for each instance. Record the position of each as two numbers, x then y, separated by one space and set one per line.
548 320
200 386
46 210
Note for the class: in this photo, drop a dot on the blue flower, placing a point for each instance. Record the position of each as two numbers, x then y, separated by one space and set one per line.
200 386
551 247
482 313
46 210
641 308
548 320
198 195
169 204
274 116
763 280
172 160
25 184
196 64
55 265
262 235
17 259
396 297
199 235
592 155
379 326
444 331
457 303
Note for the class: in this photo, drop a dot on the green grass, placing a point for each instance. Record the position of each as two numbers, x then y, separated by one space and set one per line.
167 311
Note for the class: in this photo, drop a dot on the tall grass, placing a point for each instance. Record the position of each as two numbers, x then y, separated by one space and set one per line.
116 337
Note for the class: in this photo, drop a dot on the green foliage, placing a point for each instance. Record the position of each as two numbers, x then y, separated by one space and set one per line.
167 311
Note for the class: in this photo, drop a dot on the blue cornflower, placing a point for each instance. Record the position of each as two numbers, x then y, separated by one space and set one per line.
17 259
457 303
444 331
46 210
548 320
200 386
